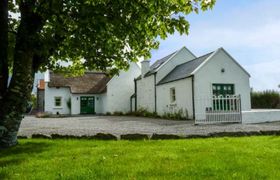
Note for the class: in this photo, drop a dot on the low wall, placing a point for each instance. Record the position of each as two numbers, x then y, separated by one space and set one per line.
260 116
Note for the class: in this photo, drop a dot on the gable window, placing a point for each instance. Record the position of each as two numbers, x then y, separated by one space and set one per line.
57 101
172 95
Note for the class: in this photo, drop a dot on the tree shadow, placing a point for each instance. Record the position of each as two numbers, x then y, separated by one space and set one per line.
28 147
21 152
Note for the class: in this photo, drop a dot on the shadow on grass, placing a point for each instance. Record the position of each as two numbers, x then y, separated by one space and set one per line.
20 153
28 147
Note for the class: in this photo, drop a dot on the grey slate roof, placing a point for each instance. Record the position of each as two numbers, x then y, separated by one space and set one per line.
184 70
158 63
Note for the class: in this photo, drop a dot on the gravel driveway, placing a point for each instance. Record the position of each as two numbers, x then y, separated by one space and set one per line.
117 125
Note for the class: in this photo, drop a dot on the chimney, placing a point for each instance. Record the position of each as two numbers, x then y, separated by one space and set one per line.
47 76
145 67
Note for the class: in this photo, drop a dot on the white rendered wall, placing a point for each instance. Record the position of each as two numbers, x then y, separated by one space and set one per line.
120 89
183 89
104 103
181 57
146 93
211 73
260 116
50 94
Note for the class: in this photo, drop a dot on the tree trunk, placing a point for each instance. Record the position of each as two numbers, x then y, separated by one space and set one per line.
20 88
17 96
3 52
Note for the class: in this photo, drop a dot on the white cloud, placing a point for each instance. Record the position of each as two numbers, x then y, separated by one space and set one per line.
265 75
250 31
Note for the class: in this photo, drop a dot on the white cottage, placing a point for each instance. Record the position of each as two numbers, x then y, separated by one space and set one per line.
182 82
92 93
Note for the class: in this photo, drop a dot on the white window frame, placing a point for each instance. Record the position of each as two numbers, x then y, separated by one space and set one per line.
55 98
173 95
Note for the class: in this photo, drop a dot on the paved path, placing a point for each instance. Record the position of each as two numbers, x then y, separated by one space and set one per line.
117 125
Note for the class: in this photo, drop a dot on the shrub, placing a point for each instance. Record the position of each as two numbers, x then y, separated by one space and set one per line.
34 101
108 114
142 112
176 115
265 100
118 113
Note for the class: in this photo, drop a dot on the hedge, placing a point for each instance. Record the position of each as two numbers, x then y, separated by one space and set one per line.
268 99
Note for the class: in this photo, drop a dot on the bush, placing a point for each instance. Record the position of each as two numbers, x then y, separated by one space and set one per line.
142 112
108 114
118 113
265 100
177 115
34 101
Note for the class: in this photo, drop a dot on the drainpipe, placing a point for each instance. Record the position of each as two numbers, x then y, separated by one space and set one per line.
131 97
135 92
155 81
193 101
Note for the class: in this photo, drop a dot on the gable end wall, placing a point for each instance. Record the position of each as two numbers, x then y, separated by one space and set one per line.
211 73
181 57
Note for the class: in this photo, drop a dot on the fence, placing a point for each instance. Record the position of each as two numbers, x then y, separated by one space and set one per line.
218 109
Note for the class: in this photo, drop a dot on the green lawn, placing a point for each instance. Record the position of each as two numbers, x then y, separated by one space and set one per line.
214 158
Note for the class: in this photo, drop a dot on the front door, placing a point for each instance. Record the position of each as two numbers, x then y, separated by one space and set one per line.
87 105
221 92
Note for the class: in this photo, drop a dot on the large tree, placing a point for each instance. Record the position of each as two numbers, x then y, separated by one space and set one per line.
91 34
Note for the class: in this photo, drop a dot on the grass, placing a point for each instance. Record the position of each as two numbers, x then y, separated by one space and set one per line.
214 158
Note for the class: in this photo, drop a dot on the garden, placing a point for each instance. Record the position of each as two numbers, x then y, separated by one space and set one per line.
210 158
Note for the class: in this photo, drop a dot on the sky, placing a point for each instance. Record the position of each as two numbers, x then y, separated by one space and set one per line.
248 29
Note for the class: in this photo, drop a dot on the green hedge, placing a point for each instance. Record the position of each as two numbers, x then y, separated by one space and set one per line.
265 100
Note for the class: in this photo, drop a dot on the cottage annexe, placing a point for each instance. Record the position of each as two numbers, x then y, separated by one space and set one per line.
179 81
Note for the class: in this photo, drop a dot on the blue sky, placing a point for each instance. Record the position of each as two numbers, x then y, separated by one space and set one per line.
248 29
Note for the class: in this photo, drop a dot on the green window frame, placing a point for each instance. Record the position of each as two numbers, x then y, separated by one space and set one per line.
57 101
223 89
172 95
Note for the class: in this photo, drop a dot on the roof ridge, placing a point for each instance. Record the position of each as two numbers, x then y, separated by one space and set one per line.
167 55
164 57
86 72
195 58
184 70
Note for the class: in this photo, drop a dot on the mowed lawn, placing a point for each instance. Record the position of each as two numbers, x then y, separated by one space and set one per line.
213 158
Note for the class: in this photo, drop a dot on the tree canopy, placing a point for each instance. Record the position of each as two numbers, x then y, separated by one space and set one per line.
91 34
104 33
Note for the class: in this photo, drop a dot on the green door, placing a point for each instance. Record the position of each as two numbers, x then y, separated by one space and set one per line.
87 105
222 90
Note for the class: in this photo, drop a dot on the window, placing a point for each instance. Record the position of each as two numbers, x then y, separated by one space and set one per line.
172 95
223 89
57 101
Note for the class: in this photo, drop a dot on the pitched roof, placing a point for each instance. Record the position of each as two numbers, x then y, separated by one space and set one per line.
154 67
89 83
184 70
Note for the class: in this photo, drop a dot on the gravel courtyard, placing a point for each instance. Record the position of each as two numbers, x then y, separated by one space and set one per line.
118 125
